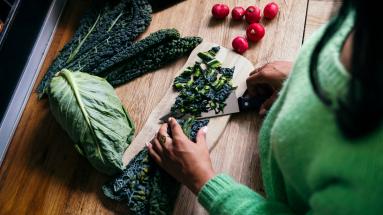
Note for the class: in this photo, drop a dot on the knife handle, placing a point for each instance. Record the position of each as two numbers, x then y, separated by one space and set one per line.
250 104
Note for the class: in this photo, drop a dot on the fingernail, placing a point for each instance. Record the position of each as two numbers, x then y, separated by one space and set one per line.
204 129
148 145
170 119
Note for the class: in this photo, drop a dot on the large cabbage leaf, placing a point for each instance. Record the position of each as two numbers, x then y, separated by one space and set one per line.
90 112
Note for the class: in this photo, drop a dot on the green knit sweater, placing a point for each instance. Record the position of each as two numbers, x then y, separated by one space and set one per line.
308 167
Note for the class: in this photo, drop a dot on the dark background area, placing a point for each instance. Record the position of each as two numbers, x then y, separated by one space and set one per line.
18 42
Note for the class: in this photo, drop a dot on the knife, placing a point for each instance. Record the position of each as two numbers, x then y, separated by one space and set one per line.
237 105
233 105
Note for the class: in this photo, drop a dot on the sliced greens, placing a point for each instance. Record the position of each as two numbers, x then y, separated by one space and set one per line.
203 87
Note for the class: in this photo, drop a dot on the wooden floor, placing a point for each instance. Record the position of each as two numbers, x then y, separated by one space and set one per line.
43 174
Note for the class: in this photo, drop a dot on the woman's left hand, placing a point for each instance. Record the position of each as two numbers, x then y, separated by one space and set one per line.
183 159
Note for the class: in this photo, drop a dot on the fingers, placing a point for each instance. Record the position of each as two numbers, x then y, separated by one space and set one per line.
267 105
201 136
253 82
156 157
164 130
257 85
262 76
174 126
177 131
157 146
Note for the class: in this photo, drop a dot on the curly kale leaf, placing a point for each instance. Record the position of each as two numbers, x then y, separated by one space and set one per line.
135 49
103 32
152 59
144 186
122 38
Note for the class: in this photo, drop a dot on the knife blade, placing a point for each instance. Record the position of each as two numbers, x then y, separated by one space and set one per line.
236 105
233 105
165 118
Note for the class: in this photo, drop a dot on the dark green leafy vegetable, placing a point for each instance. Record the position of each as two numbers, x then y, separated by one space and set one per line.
152 59
128 54
203 87
88 109
117 42
191 126
144 186
209 57
103 32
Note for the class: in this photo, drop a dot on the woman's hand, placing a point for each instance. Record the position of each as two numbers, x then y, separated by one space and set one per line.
270 77
185 160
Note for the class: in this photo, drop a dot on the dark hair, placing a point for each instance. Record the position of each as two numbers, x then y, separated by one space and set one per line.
360 112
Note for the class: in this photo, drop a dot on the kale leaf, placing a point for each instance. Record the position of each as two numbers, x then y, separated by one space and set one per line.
203 87
103 31
153 40
144 186
152 59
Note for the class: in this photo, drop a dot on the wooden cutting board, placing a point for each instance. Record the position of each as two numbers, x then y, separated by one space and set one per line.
216 125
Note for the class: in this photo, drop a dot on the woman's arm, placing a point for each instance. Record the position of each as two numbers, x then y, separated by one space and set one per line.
222 195
190 164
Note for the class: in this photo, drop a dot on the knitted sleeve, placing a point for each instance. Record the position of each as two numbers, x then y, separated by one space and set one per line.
222 195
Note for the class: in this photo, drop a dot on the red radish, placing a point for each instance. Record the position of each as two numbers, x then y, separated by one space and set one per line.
271 10
253 14
240 44
237 13
220 11
255 32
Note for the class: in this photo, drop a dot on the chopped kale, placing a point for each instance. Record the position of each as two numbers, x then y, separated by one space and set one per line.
201 90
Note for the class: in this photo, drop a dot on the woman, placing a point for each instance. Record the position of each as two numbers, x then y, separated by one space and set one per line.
322 140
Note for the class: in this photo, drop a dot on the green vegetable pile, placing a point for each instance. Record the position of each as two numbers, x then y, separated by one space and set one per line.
104 44
88 109
144 186
203 87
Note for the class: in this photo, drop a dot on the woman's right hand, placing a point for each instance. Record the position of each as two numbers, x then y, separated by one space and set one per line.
269 77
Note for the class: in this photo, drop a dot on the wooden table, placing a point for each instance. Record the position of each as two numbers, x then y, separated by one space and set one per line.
43 174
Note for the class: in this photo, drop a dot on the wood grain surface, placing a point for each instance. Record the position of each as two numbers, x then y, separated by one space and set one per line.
43 174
